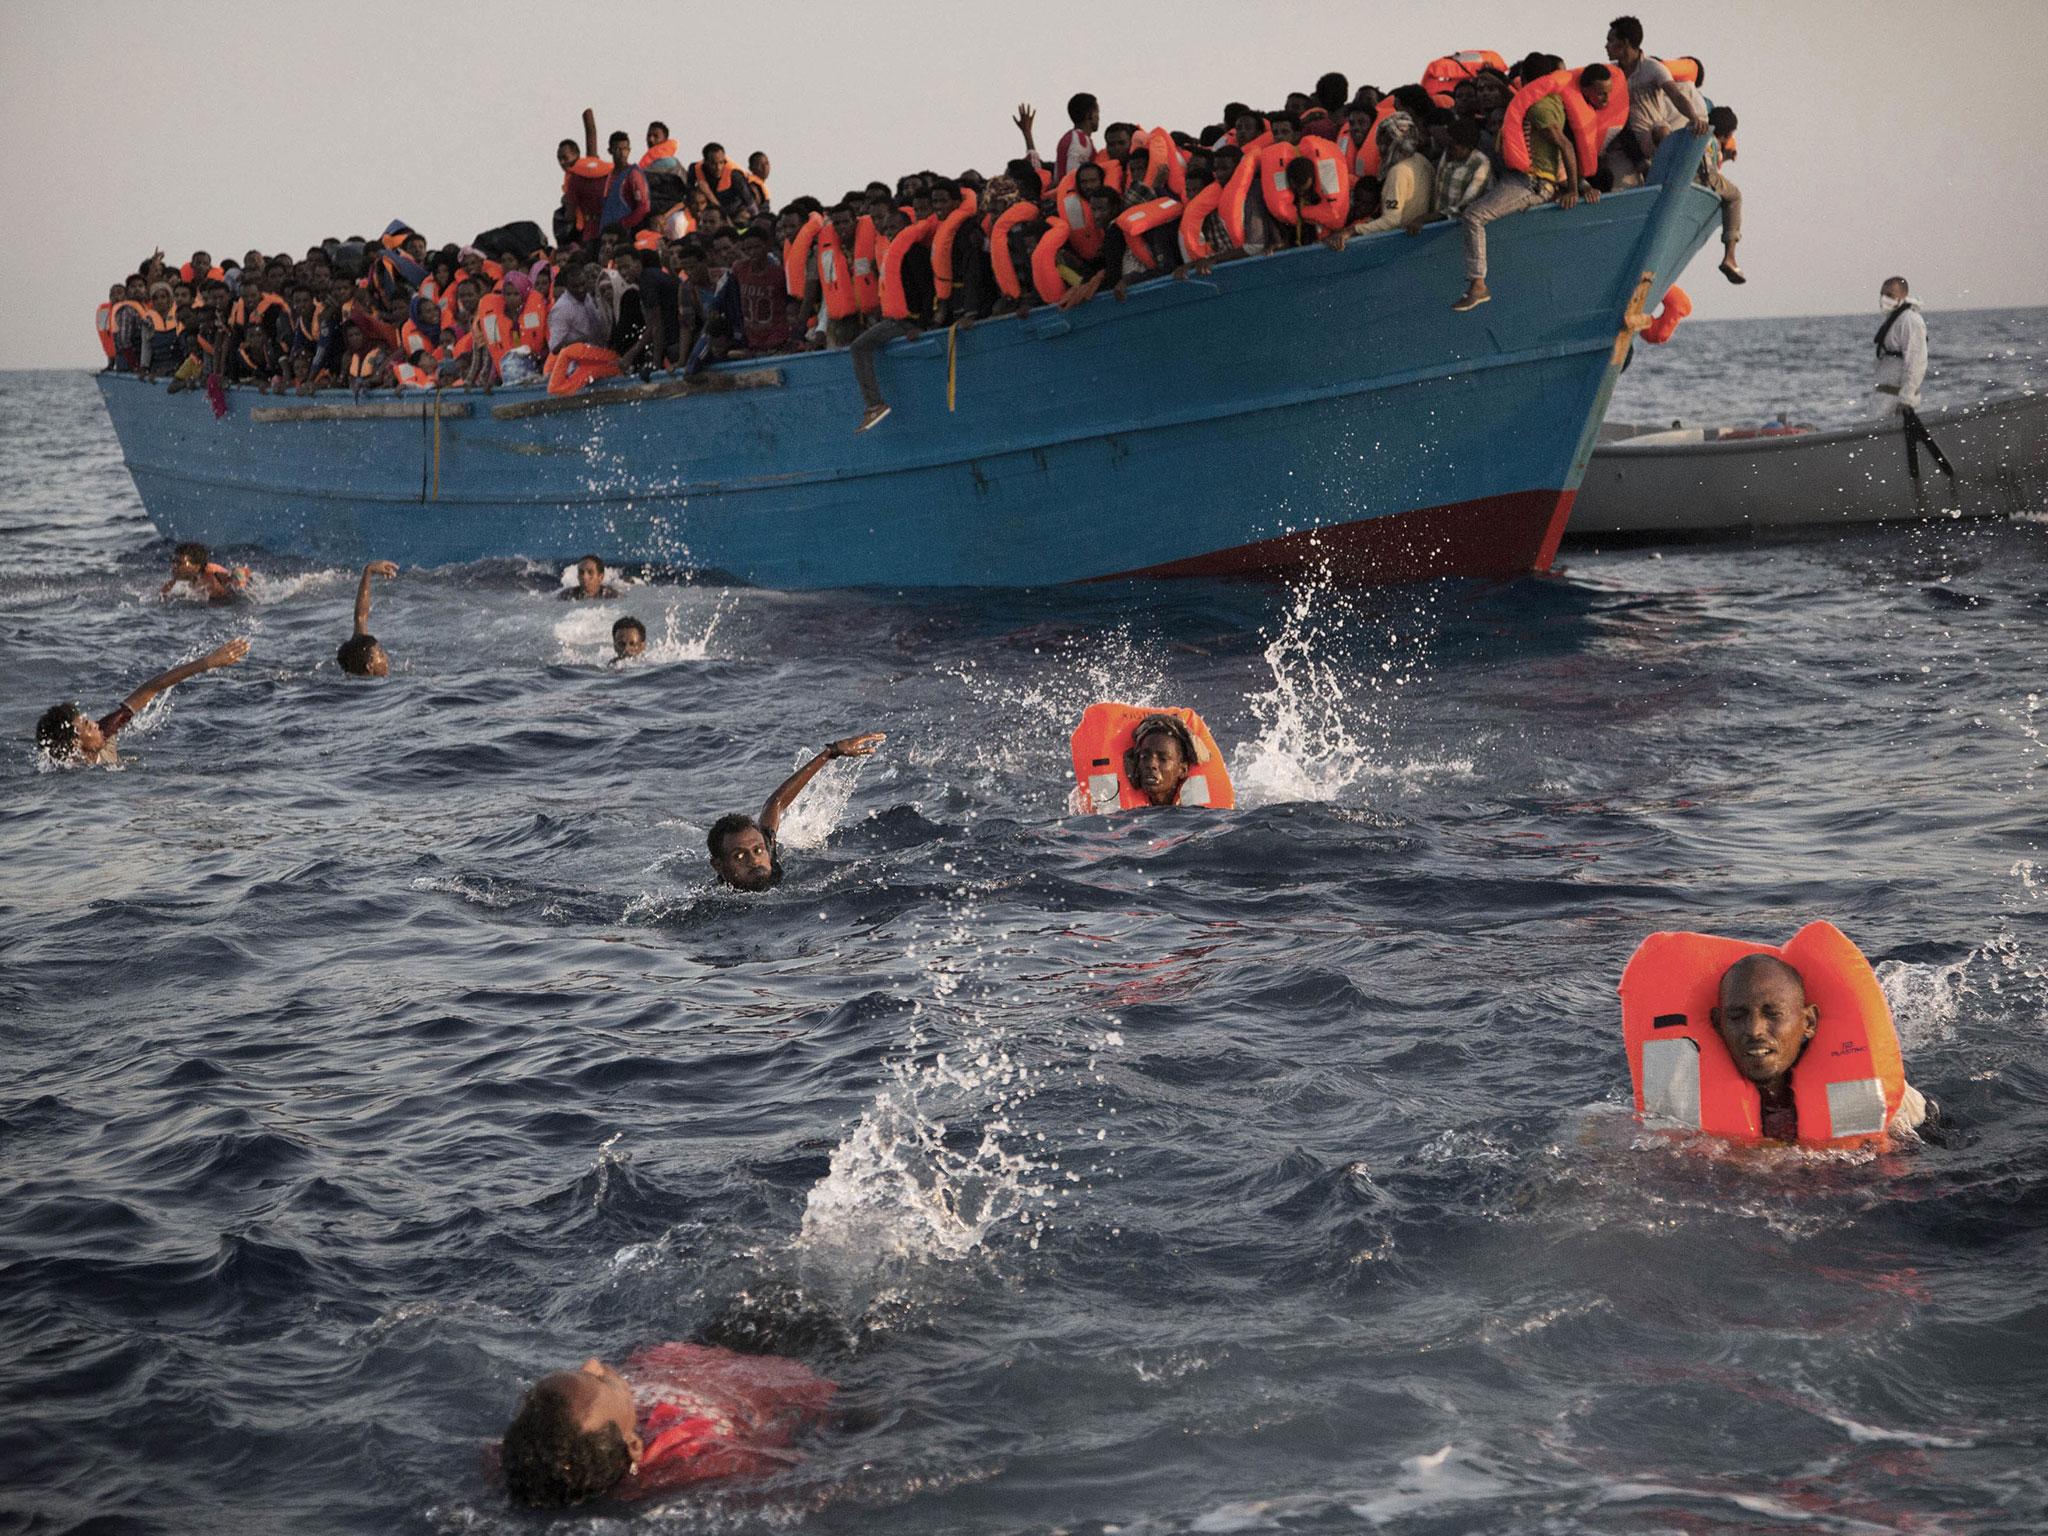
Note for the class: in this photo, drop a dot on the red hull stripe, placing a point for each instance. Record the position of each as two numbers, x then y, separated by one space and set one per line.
1494 536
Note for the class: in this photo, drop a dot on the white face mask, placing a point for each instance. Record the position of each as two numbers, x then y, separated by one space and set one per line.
1886 304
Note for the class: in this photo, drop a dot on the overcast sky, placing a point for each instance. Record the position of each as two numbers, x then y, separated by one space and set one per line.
1876 137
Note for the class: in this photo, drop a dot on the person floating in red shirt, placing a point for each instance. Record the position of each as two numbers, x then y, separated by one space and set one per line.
678 1414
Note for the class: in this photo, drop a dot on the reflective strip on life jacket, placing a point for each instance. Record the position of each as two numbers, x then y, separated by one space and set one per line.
1101 745
103 322
1847 1083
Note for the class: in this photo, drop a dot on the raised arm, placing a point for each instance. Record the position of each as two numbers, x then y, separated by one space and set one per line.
375 568
853 746
225 656
1024 119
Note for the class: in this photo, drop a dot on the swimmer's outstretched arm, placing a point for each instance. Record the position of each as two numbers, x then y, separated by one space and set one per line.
862 745
374 568
226 656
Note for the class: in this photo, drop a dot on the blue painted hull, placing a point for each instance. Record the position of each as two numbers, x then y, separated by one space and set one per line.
1310 408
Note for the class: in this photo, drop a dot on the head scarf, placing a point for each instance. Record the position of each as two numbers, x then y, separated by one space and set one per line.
1398 136
426 314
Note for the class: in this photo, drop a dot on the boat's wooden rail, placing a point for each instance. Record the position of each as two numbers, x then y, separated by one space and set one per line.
637 394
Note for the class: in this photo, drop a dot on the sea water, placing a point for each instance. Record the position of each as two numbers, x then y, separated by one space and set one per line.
371 1048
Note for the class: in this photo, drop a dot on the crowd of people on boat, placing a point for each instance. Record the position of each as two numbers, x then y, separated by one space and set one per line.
660 260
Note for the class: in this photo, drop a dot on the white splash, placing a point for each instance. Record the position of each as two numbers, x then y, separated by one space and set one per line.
1325 723
822 806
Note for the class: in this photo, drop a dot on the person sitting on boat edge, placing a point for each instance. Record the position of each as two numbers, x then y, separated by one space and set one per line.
629 639
744 854
1657 107
590 582
360 655
679 1414
1720 150
1554 172
69 735
1765 1020
192 565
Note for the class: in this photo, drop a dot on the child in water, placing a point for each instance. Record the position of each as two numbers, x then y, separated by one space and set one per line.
1764 1019
360 655
629 639
743 852
192 566
69 735
681 1414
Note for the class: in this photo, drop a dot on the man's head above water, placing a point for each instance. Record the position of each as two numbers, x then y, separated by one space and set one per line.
1161 756
572 1438
1764 1018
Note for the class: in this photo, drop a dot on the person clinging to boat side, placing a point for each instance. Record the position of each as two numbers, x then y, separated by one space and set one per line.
69 735
744 854
360 655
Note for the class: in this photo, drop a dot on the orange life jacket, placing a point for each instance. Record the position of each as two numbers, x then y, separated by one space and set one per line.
409 375
499 330
1846 1085
1237 195
1688 69
412 341
725 177
1073 209
999 255
1676 306
1367 156
797 254
1112 170
835 276
363 365
647 240
103 322
867 267
1590 130
1194 215
665 150
1166 164
678 223
1101 746
1333 182
1273 182
942 242
1045 256
579 364
894 306
1139 220
533 325
1442 75
213 274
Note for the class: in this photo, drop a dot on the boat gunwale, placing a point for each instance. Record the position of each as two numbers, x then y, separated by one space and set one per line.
1873 430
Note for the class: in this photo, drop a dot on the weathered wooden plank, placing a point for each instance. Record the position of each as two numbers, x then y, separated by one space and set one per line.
361 410
636 394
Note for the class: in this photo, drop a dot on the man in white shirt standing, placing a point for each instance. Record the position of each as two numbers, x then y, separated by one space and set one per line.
1077 144
1901 368
1657 104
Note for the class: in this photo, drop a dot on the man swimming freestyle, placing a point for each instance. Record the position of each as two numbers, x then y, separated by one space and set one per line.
1765 1021
69 735
743 851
